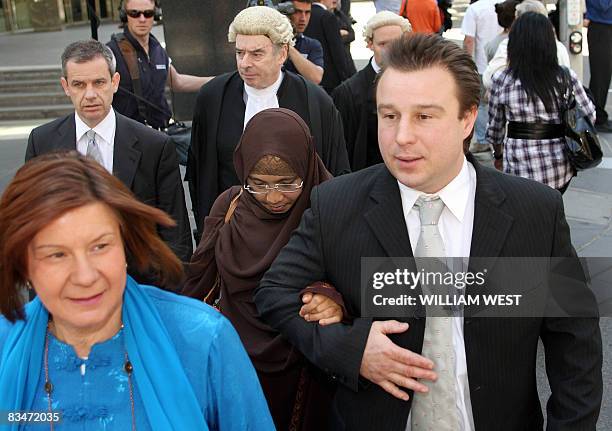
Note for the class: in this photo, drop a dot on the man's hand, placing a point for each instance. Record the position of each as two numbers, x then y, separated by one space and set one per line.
390 366
320 308
305 67
499 164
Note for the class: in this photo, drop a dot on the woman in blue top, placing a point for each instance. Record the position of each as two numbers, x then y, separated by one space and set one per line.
94 346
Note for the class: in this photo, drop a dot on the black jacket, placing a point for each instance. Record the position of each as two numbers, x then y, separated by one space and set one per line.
360 215
143 159
324 27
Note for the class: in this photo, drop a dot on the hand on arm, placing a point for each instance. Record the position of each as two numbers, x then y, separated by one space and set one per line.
392 367
321 309
305 67
182 83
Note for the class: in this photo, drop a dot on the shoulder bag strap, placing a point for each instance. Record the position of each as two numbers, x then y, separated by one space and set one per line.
232 207
216 289
131 59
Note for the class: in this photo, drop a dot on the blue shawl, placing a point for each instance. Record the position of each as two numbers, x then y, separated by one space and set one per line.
168 397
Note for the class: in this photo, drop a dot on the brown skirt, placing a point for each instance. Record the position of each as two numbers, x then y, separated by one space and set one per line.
300 399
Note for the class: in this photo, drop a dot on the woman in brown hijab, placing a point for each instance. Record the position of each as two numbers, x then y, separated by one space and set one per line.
248 225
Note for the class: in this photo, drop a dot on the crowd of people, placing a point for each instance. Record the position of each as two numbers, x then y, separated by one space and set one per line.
299 168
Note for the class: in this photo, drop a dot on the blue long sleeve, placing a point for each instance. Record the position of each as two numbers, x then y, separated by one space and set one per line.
599 11
237 397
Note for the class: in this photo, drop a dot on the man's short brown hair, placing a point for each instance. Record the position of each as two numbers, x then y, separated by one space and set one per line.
416 51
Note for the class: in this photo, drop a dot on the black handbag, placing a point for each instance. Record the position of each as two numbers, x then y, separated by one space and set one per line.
581 141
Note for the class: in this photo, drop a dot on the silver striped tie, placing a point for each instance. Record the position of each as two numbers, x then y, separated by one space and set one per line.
436 409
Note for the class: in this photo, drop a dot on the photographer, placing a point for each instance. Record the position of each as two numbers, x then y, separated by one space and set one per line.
144 67
306 58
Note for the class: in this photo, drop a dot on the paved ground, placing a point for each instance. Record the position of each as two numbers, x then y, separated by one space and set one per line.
588 202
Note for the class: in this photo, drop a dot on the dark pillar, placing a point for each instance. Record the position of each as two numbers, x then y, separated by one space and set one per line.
196 39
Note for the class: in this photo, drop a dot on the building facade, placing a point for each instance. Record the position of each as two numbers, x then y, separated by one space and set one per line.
41 15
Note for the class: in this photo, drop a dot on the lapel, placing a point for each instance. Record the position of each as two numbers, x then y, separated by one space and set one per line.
490 229
386 216
126 155
66 135
491 222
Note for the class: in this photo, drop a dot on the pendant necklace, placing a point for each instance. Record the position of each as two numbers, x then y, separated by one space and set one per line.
127 367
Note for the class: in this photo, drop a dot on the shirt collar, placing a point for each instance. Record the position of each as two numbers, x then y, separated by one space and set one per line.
455 194
264 92
375 65
105 128
320 4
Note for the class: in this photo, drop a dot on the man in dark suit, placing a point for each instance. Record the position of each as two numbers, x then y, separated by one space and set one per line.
354 98
143 158
470 373
324 27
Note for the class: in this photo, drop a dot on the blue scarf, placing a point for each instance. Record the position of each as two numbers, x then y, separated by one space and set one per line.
169 400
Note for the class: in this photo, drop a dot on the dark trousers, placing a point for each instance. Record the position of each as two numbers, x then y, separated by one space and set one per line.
599 37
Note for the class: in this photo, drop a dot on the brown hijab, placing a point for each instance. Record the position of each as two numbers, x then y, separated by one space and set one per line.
243 249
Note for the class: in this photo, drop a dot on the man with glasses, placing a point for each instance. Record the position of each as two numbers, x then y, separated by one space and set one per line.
143 65
224 106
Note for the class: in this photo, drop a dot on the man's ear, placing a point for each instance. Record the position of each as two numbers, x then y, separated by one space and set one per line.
65 86
469 119
284 53
369 45
115 81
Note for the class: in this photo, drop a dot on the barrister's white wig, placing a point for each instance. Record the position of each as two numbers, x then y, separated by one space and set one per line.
382 19
262 21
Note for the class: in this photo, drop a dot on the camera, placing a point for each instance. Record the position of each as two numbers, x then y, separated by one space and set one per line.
286 7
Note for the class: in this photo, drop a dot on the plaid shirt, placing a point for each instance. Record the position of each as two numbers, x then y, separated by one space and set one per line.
542 160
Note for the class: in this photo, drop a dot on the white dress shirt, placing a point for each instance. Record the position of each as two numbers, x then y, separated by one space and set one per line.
375 66
105 137
455 225
256 100
480 22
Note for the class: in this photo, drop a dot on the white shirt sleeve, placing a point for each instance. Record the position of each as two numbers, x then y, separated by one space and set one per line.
498 62
562 55
468 27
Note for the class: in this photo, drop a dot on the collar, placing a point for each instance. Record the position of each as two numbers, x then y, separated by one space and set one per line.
455 194
105 128
375 65
264 92
320 4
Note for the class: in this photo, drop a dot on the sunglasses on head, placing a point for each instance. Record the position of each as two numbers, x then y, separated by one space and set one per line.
134 13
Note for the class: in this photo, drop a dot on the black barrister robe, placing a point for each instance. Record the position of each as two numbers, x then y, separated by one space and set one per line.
354 99
218 123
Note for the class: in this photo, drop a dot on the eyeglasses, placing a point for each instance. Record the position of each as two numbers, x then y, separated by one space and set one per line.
135 13
265 189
